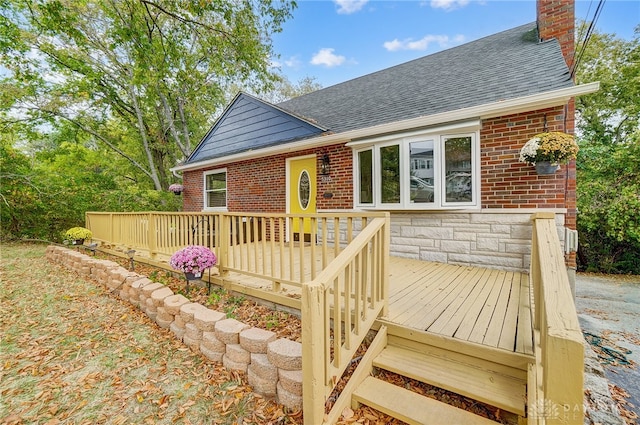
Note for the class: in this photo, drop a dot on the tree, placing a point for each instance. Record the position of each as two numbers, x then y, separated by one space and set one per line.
609 159
285 89
48 191
612 114
141 77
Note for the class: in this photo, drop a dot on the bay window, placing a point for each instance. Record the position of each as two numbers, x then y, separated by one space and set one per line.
418 171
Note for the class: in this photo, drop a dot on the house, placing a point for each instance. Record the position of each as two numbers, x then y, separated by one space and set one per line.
434 144
416 162
435 141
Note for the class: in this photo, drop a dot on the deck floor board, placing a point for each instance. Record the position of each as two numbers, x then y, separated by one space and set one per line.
480 305
456 284
449 322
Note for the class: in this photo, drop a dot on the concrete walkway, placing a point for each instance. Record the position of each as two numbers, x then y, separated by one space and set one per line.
609 313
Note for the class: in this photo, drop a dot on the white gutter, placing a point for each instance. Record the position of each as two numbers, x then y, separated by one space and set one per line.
487 110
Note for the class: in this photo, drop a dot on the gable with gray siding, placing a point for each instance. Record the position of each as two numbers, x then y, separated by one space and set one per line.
249 123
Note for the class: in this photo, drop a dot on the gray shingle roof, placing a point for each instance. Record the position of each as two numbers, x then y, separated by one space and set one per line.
502 66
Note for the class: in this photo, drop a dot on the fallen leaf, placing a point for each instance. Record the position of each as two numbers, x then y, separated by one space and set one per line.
347 413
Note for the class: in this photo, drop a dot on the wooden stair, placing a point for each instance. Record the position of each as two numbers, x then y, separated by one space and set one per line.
482 380
468 379
410 407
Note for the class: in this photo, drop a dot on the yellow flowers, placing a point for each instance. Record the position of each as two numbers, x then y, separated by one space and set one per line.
76 233
554 147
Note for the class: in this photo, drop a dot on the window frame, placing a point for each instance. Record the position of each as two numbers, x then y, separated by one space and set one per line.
438 167
357 180
475 172
206 192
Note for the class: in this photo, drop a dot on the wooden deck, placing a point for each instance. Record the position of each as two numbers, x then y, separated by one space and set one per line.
470 304
479 305
468 330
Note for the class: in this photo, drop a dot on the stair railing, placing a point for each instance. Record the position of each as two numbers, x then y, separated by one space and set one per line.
555 390
338 309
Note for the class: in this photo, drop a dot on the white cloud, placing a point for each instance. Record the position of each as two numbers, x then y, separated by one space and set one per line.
449 4
327 58
346 7
422 44
293 62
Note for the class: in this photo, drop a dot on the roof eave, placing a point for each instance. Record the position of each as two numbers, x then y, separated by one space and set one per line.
488 110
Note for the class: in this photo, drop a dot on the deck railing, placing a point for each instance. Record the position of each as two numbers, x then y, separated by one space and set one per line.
338 309
555 390
286 249
156 234
273 247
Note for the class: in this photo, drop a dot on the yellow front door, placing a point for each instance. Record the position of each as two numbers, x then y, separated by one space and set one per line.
302 190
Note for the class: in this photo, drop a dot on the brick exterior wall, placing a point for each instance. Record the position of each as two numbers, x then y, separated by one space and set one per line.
508 183
260 185
193 183
335 191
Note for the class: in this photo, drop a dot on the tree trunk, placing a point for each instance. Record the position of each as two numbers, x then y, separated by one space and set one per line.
145 140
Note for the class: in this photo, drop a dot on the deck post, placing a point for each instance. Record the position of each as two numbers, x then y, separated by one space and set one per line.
224 240
560 344
153 243
111 237
313 363
385 264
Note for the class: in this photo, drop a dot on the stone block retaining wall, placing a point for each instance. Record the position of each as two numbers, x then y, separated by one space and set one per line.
273 365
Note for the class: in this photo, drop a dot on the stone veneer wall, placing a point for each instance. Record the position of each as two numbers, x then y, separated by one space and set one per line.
487 238
273 365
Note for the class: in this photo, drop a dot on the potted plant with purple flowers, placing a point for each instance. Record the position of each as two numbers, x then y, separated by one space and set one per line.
176 188
192 261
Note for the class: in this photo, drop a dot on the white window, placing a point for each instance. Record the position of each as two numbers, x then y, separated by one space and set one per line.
418 171
364 183
215 190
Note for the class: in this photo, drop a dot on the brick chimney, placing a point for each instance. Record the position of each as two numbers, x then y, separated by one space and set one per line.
556 19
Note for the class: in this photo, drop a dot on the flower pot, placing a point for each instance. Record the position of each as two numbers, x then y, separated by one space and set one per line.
544 168
78 242
193 276
177 193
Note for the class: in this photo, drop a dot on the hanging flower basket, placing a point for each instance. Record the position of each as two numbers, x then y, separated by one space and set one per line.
176 189
544 168
546 151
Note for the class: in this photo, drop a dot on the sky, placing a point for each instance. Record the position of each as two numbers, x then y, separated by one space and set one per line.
336 41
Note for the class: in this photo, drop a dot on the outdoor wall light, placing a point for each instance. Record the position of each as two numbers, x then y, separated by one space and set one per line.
131 253
325 166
